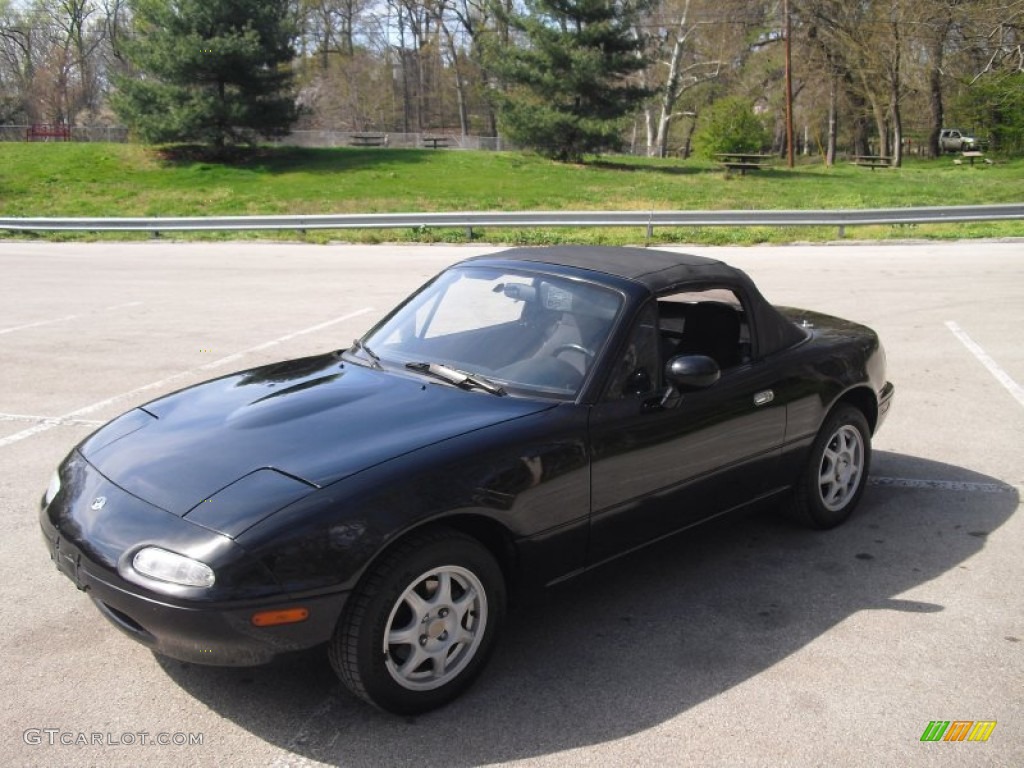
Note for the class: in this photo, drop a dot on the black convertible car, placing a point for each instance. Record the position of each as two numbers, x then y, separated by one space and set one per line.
521 418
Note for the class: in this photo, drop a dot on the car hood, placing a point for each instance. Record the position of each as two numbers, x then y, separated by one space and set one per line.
294 426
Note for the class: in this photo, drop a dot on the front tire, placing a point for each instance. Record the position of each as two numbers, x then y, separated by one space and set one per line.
421 624
836 473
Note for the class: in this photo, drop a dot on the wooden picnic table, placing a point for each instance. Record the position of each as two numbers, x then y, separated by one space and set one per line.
872 161
435 141
744 161
972 154
369 140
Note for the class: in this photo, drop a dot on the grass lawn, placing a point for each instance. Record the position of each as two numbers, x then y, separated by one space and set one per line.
77 179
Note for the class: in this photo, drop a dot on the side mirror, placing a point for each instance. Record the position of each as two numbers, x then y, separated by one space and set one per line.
692 371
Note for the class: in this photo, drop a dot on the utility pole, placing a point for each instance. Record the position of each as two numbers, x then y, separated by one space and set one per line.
789 85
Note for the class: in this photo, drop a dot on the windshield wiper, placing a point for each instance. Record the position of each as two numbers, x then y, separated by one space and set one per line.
374 360
457 377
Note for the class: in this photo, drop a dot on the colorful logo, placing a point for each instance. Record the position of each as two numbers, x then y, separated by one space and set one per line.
958 730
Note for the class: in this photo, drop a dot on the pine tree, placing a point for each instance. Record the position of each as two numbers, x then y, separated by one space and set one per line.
570 81
214 72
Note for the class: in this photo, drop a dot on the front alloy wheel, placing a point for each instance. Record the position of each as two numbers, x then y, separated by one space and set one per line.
419 627
435 628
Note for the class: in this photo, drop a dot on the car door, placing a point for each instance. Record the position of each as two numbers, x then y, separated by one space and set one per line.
661 464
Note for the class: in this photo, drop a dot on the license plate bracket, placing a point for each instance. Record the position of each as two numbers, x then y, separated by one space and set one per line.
67 560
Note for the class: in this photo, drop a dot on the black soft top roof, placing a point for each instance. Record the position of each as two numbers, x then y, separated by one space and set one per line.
662 270
656 270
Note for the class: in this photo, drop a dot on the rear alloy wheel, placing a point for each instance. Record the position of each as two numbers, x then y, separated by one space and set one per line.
837 471
420 626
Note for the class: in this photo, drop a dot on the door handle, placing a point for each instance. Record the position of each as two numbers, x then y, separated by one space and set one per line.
764 397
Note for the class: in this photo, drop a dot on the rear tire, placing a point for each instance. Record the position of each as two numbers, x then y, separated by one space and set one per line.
420 626
837 470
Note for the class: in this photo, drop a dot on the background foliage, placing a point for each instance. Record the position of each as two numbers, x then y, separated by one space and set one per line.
568 78
214 72
730 125
878 76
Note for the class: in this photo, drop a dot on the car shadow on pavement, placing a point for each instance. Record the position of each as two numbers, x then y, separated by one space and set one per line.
635 643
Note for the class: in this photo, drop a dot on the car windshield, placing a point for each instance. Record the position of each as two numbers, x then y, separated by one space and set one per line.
528 332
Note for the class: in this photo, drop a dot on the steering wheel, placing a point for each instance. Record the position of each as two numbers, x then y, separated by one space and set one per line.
589 353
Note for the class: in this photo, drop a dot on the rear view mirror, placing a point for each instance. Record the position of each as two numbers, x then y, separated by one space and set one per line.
517 291
692 371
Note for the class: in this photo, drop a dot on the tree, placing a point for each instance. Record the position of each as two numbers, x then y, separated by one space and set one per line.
994 105
730 125
692 42
48 51
936 31
215 72
570 80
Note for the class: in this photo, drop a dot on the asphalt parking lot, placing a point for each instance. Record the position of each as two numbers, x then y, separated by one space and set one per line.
747 642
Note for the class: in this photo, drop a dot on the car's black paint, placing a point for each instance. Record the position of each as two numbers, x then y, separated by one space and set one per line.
291 480
529 478
314 421
658 471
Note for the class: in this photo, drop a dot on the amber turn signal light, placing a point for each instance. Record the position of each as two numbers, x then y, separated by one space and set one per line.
273 618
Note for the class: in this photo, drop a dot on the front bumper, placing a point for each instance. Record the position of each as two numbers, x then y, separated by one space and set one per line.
220 637
207 626
221 634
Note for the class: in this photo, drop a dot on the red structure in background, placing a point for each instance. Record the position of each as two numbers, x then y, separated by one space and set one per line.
45 132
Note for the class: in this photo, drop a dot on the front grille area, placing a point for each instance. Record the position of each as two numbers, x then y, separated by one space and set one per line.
123 620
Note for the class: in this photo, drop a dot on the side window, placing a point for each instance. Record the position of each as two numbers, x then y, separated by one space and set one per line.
708 322
637 372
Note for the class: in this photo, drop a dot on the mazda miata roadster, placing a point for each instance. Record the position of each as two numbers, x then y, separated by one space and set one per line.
521 418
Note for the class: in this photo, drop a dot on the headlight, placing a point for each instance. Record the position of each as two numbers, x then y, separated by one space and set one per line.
52 489
162 565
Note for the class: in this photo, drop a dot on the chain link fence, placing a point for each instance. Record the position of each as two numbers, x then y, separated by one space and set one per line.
421 140
311 138
114 133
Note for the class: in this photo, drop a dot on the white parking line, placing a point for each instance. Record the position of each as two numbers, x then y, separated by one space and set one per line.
57 421
975 349
66 317
939 485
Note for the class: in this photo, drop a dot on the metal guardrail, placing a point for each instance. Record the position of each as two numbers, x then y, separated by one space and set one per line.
470 220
